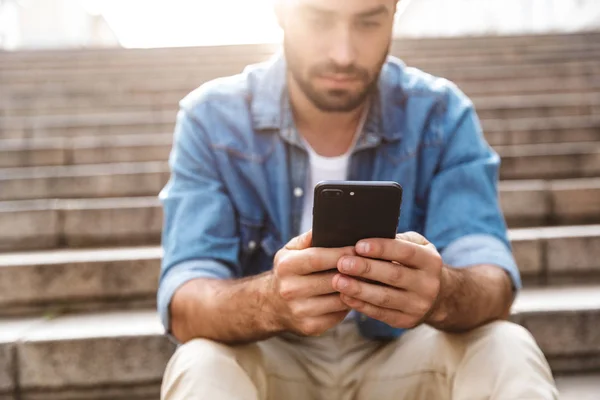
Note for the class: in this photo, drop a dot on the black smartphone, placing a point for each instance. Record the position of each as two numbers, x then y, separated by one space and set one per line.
345 212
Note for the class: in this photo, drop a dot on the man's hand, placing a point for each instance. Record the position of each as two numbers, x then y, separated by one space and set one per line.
300 295
411 270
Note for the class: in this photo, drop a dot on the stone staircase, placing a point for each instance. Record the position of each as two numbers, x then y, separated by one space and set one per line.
84 139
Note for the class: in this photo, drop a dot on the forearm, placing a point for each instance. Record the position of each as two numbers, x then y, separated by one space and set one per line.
471 297
227 311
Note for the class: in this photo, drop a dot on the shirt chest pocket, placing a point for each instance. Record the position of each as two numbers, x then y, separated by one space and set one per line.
258 246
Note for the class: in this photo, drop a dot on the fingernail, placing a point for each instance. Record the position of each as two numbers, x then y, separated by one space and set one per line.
342 282
363 247
347 264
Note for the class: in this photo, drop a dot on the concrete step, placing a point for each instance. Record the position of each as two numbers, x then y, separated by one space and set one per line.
118 105
522 86
122 355
544 161
58 281
545 203
43 223
40 74
69 280
498 131
79 223
498 72
44 94
52 104
159 74
79 150
525 203
563 321
555 256
509 43
496 107
114 179
550 160
542 130
58 96
84 181
408 47
18 94
87 125
537 106
119 57
116 356
579 387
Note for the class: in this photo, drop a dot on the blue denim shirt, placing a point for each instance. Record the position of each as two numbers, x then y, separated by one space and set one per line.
237 162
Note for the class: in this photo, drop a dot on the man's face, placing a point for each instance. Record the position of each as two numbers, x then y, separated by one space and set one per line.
335 48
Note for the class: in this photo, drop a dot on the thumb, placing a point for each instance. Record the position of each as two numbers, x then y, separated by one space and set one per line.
301 242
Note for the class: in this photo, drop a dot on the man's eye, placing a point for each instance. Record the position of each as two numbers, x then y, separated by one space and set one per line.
368 24
317 21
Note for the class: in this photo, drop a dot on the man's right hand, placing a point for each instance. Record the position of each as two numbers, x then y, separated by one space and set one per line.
300 294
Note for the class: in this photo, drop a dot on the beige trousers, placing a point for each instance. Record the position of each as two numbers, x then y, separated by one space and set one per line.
499 361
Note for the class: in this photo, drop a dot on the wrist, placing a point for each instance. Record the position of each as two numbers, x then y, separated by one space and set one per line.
270 320
439 311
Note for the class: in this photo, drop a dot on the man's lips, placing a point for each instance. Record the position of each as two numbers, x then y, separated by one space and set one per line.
338 80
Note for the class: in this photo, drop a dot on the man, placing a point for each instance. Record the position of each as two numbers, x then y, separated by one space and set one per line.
261 319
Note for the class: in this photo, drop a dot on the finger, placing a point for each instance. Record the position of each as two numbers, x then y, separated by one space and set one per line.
316 326
394 318
317 306
382 296
396 275
308 261
304 286
301 242
399 250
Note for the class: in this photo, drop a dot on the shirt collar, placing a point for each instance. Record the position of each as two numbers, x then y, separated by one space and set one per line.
271 108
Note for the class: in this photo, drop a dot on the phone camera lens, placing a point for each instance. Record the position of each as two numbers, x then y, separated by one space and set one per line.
332 193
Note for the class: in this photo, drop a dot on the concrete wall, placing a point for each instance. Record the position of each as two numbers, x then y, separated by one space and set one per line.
476 17
51 24
9 24
67 23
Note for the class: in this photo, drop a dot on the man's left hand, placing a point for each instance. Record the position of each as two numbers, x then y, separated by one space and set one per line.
410 269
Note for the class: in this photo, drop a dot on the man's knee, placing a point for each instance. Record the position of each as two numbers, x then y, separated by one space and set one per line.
503 335
205 347
205 367
192 361
502 360
506 345
203 356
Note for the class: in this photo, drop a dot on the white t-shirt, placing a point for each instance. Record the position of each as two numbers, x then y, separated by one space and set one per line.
325 169
321 169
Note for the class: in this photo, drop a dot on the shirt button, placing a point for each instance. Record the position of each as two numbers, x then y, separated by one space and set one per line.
251 245
298 192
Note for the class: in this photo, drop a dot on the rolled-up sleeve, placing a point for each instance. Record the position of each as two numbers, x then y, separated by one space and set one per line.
478 249
464 219
199 236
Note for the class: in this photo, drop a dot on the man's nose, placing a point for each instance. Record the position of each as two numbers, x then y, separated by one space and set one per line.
342 51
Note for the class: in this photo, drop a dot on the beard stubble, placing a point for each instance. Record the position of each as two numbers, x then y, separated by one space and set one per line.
333 100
